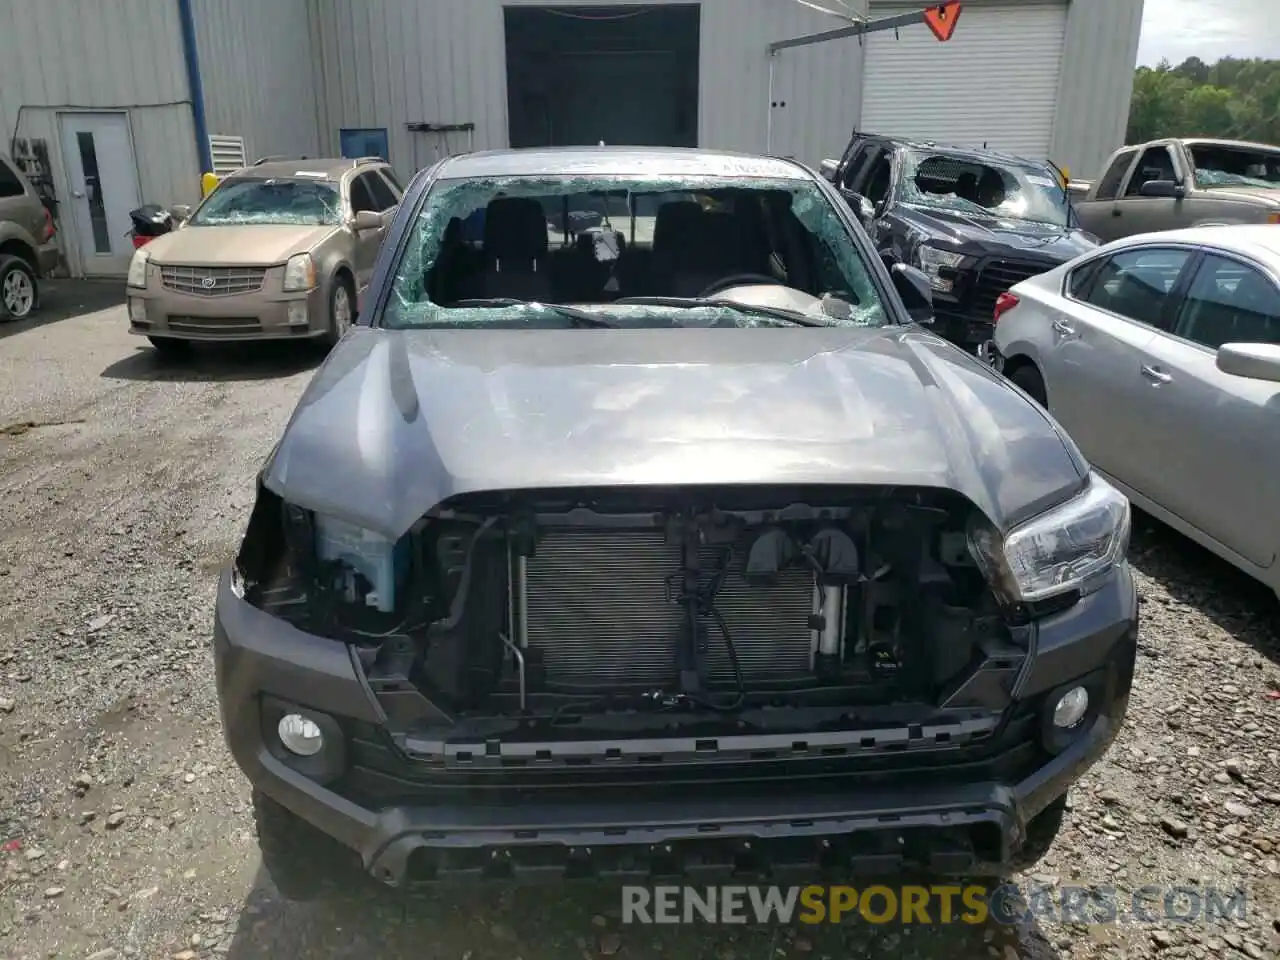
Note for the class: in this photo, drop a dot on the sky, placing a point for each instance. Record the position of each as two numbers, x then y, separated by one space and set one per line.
1208 29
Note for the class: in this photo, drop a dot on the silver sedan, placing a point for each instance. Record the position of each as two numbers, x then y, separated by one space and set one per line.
1160 355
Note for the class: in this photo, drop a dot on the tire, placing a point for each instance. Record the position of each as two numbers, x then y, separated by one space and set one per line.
1041 832
342 288
19 288
170 348
304 864
1029 379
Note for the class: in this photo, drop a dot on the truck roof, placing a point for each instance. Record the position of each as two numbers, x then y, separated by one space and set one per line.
970 153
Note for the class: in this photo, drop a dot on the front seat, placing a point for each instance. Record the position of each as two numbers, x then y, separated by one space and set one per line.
515 252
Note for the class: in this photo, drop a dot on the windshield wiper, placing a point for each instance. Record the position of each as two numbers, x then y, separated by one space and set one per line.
578 318
690 303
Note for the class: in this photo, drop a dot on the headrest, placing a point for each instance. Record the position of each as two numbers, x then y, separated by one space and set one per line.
515 228
673 219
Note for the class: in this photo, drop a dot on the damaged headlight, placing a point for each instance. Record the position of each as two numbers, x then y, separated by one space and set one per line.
1067 548
933 260
370 567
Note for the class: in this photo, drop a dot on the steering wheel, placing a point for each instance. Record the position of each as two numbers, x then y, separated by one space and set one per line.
738 280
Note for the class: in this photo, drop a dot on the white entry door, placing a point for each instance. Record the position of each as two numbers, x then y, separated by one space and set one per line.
102 174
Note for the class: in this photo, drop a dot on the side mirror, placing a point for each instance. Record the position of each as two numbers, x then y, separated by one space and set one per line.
1168 189
862 208
914 289
829 169
367 220
180 212
1254 361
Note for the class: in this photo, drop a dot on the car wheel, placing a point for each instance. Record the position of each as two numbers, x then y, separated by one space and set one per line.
342 307
19 291
1029 379
304 864
171 348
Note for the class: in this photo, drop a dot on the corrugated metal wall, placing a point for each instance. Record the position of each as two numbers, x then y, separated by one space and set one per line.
255 66
1097 83
62 55
382 63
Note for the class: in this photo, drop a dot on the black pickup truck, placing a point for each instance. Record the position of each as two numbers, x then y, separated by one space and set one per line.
976 221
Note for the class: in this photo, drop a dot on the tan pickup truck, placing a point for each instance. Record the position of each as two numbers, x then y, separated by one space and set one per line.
1169 184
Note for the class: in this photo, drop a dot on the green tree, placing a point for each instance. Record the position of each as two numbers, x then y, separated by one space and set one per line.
1233 98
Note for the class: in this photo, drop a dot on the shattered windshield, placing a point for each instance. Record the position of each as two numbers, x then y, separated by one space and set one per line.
1001 190
630 251
247 200
1234 167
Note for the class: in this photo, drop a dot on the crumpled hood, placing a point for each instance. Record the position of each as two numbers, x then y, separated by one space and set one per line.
395 422
247 244
980 236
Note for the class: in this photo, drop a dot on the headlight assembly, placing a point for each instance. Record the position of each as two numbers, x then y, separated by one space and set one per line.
1067 548
299 273
138 269
932 262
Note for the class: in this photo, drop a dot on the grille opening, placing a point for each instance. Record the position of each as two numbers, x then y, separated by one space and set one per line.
570 617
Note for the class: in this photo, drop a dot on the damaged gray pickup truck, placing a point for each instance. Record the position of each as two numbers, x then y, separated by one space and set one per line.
637 529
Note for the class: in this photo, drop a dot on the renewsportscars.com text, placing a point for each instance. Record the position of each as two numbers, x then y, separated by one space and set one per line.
937 904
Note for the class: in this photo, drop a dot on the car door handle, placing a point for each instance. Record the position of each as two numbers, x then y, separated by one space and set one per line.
1116 212
1064 328
1155 374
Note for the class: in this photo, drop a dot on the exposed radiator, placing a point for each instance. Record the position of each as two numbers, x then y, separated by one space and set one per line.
599 613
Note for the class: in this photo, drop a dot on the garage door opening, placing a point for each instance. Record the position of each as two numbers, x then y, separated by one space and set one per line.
624 75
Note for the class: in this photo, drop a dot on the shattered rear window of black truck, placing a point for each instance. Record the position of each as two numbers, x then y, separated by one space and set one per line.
591 241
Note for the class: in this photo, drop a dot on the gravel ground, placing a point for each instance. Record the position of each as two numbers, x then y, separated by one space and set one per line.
125 828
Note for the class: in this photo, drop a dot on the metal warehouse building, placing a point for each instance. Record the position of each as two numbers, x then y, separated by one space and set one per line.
114 102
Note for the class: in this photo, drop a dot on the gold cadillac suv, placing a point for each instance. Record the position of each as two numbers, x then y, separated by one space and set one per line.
281 250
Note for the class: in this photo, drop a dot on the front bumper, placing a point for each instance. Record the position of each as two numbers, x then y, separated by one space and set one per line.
953 826
262 315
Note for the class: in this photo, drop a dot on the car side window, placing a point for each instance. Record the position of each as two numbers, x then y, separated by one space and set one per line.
1156 163
384 197
1078 283
10 185
1109 185
1137 283
1229 302
879 177
361 196
855 171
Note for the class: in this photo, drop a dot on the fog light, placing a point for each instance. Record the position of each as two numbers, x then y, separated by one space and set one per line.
138 312
1070 709
298 313
300 735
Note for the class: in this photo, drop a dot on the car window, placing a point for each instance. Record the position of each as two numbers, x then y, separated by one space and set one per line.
260 200
991 187
1137 283
879 178
508 250
10 185
1223 166
1109 185
383 196
390 176
856 170
362 196
1229 302
1078 282
1156 163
